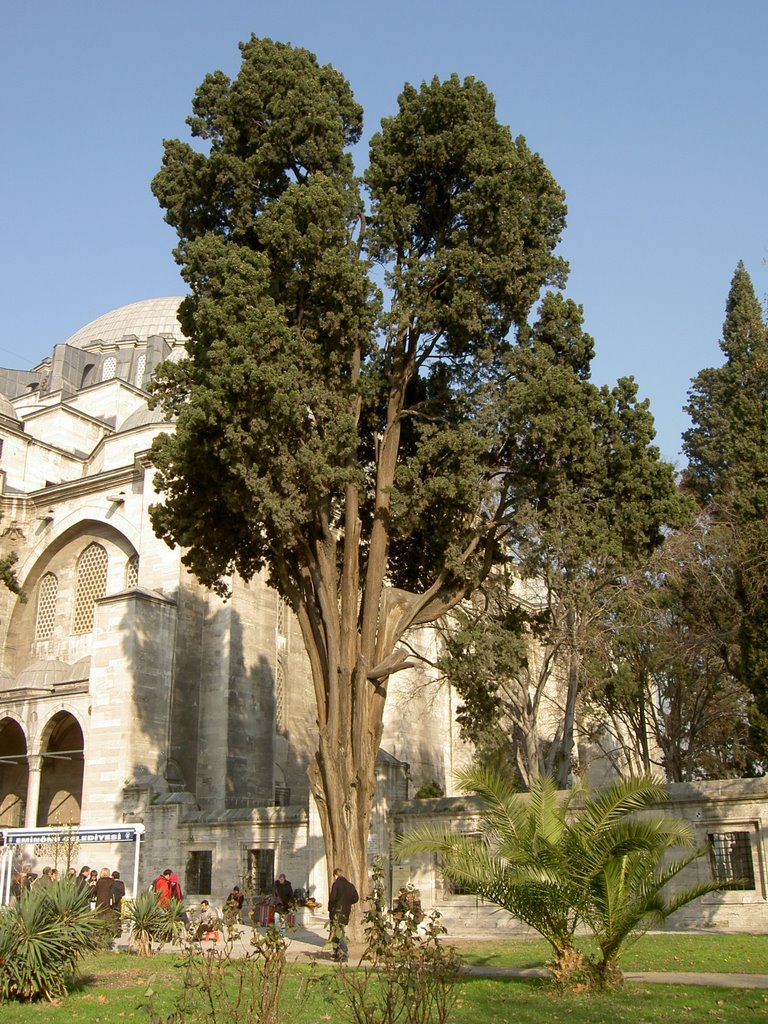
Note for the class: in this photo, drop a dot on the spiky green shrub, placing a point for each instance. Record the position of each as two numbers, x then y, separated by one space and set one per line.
152 923
146 921
41 939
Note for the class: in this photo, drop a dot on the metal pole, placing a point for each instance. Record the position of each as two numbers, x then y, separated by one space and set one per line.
136 865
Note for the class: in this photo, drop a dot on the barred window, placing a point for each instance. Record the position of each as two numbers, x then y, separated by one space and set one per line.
47 592
281 624
730 856
280 723
199 871
141 364
109 368
132 580
91 585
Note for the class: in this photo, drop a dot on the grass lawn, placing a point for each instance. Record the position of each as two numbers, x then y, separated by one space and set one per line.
737 953
113 987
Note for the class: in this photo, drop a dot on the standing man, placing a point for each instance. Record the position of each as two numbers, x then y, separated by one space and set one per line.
282 894
340 902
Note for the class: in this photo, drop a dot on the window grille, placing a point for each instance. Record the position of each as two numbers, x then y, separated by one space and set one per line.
281 624
730 856
91 585
198 875
282 796
280 724
47 592
109 368
132 581
261 871
141 364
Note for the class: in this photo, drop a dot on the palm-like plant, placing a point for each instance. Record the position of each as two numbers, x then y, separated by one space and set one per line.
519 861
41 939
146 921
626 889
557 860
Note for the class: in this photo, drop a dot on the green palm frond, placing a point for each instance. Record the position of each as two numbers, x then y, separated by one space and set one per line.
556 860
627 796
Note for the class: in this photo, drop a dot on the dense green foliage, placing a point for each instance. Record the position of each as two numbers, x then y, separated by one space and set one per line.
42 938
591 497
8 576
557 861
727 449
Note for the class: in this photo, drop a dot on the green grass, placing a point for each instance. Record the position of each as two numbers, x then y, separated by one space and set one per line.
736 953
518 1002
112 988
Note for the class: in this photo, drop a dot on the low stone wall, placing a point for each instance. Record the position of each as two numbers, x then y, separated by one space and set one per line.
730 822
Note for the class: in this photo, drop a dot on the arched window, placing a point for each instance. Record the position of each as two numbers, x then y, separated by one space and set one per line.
132 572
91 585
109 368
47 592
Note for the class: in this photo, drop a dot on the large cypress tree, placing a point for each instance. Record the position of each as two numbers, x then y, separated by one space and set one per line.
343 444
354 445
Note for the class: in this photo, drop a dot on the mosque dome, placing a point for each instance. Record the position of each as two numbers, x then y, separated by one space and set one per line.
143 417
43 674
142 319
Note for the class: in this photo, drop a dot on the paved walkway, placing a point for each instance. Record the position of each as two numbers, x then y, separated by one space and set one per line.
305 945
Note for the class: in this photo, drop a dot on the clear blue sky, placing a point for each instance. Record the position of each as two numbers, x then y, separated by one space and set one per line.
651 115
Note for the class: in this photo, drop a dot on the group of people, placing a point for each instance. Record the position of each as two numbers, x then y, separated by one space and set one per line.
105 889
343 897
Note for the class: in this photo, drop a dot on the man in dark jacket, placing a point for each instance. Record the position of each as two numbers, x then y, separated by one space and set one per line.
282 896
340 902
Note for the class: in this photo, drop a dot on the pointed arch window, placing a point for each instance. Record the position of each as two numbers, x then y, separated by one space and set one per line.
109 368
91 585
47 593
132 573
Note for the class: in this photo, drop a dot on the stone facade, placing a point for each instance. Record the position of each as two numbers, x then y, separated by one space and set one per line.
130 693
730 824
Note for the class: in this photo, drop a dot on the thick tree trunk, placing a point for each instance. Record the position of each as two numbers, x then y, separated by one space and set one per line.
342 776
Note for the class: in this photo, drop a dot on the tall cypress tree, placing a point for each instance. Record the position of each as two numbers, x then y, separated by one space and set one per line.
727 446
727 449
